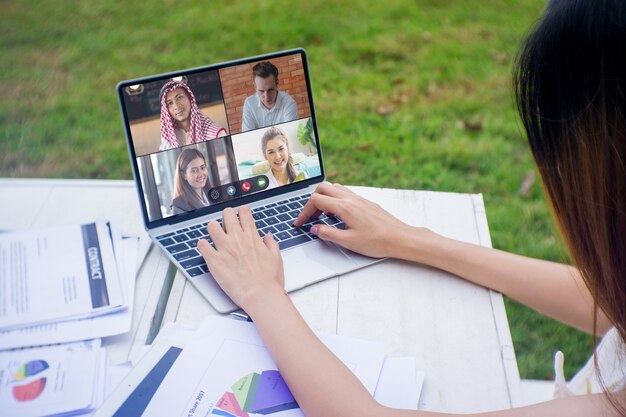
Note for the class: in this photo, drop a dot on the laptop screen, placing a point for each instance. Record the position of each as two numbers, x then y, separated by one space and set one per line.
224 135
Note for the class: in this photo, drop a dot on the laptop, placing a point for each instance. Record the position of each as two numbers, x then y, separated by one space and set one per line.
224 135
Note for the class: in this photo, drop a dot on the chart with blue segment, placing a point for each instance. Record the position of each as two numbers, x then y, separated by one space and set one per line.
253 394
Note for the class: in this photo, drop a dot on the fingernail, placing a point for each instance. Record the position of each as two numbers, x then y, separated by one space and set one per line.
314 230
270 235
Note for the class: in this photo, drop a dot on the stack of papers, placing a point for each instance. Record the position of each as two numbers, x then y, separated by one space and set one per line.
65 284
52 380
224 369
61 289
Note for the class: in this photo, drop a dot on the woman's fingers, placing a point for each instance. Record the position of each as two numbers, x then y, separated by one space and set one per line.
317 204
216 232
333 190
271 243
330 233
307 212
242 277
246 219
230 221
206 249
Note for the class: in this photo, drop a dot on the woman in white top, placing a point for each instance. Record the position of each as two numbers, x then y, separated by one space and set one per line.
275 148
570 84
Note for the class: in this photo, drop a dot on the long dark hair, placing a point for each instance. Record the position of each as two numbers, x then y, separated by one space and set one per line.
570 85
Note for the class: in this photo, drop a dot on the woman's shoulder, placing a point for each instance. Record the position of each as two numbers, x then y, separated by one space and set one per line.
181 204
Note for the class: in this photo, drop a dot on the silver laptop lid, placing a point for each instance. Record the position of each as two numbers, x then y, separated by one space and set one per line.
207 138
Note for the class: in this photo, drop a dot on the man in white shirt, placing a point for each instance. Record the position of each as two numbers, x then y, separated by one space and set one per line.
268 106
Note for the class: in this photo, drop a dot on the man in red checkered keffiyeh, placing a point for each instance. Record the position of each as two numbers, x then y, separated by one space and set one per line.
182 123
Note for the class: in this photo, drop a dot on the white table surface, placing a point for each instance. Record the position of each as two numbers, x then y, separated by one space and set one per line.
457 332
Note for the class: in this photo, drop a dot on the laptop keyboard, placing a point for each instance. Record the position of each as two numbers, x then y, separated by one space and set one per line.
276 218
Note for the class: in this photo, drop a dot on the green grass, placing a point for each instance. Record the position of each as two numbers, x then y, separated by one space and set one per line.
394 83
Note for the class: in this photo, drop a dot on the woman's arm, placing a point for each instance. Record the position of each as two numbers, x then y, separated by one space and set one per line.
553 289
251 273
306 364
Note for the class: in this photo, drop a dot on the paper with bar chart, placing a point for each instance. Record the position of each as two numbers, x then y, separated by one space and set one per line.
227 371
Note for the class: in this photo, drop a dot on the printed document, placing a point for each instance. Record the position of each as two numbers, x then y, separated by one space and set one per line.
52 380
100 326
57 274
225 370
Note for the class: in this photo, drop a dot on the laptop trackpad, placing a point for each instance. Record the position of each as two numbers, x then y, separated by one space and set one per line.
313 262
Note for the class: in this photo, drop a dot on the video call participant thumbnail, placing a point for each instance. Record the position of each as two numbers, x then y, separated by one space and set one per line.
275 148
190 182
182 123
268 106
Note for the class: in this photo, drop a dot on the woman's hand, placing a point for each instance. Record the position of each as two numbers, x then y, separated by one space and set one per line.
370 230
242 264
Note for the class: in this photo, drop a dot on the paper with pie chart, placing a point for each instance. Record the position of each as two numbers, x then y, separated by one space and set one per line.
249 384
264 393
227 371
49 380
27 382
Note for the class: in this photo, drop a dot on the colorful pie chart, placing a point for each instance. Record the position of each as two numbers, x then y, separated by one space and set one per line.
265 393
33 389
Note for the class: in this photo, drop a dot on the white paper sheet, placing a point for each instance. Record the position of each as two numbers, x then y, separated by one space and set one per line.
51 380
232 351
176 333
399 385
57 274
88 328
206 377
131 396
